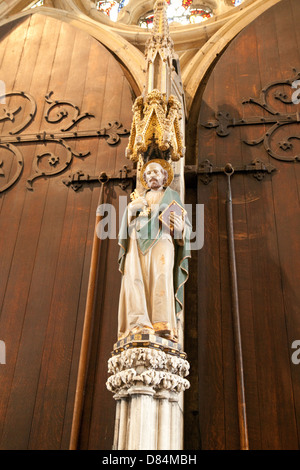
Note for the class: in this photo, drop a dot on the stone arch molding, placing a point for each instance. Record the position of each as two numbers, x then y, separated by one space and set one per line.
194 72
127 41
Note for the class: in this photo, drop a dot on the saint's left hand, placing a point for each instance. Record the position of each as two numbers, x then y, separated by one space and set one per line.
177 222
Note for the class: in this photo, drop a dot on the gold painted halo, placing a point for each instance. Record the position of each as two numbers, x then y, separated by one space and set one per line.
166 166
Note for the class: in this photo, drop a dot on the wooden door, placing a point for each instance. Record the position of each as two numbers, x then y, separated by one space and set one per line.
257 65
46 226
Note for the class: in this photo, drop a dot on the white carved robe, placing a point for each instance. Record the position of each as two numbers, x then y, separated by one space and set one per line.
147 302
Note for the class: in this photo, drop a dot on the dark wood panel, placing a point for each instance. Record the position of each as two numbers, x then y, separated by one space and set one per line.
266 224
98 418
211 396
99 412
21 241
247 84
47 235
287 212
192 436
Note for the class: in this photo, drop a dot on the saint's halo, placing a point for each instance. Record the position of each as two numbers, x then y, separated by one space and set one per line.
165 165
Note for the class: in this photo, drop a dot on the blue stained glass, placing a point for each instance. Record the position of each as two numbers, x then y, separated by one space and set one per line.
122 3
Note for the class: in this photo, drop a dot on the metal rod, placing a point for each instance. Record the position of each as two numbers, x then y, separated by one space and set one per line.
242 415
87 331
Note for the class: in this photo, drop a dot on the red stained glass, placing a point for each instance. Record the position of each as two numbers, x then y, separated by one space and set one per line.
186 3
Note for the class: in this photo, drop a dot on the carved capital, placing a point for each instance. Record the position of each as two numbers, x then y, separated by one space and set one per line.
147 367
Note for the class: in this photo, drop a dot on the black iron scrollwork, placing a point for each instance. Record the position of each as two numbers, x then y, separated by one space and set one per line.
10 113
54 164
257 168
112 131
16 161
48 163
224 121
63 113
78 179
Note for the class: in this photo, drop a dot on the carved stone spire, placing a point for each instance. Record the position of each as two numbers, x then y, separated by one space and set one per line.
159 52
156 130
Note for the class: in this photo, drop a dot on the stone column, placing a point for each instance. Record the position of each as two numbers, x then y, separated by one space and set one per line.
148 379
147 371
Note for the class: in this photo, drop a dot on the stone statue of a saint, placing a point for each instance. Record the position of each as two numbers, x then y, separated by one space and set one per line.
153 257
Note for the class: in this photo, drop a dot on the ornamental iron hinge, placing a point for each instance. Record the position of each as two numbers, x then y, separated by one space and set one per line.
79 178
206 170
63 112
258 168
281 148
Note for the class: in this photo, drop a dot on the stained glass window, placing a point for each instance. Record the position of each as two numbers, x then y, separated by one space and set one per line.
111 8
147 21
180 11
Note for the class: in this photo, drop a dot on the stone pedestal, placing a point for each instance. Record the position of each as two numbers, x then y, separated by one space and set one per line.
148 380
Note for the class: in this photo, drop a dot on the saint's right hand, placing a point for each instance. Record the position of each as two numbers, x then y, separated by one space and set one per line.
137 205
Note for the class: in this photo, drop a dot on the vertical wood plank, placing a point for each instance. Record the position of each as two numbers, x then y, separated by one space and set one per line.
211 380
248 84
57 363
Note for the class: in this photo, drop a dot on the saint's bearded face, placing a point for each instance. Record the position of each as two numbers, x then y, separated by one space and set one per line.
154 176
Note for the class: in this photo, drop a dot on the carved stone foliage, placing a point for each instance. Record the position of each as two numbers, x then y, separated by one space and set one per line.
45 163
280 130
148 367
156 121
